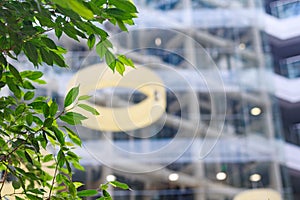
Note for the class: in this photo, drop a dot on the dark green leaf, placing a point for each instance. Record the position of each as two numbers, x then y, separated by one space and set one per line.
45 110
48 122
61 158
28 95
91 41
13 87
29 119
106 195
49 43
16 184
87 193
89 109
59 135
15 73
58 32
119 14
28 157
31 52
28 85
71 96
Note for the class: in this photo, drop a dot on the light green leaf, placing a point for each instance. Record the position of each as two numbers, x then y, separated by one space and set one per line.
73 136
110 60
119 185
87 193
101 49
89 109
79 8
120 67
84 97
71 96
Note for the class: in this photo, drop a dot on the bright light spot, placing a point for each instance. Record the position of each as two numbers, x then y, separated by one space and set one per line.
173 177
255 111
110 178
255 177
158 41
221 176
242 46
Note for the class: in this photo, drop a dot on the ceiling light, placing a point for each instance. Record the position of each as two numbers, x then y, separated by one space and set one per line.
110 178
242 46
255 177
221 176
158 41
173 177
255 111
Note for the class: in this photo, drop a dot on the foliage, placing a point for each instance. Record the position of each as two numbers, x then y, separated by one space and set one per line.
29 124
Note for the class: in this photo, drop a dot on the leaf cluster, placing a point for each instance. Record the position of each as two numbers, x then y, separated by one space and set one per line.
31 124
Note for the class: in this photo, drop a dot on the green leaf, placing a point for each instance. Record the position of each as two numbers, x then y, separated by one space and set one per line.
61 158
72 118
124 5
125 60
73 136
119 14
106 195
49 43
119 185
48 158
48 122
120 67
59 135
101 49
32 75
15 73
13 87
16 184
29 119
28 85
53 109
28 95
91 41
45 110
28 157
84 97
89 109
31 52
78 184
71 96
79 8
110 60
58 32
46 56
87 193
